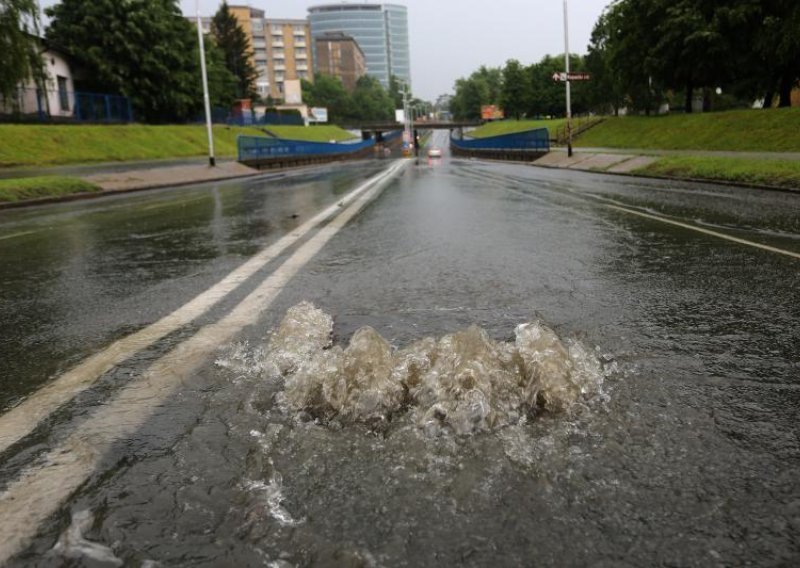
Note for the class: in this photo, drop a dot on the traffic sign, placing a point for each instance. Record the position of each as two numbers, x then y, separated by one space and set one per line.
571 77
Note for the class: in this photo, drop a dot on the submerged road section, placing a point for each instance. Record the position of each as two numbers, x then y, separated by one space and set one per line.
179 440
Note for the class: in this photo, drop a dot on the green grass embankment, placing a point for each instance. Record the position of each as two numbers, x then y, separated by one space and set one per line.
316 133
13 190
778 173
50 144
773 130
500 127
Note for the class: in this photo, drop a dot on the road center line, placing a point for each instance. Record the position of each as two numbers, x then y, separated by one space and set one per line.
42 489
22 419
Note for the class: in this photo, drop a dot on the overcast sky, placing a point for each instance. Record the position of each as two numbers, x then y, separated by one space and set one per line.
452 38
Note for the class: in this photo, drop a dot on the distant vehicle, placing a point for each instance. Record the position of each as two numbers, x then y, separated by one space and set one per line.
434 153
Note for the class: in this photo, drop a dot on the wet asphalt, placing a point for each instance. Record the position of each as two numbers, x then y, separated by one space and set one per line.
692 461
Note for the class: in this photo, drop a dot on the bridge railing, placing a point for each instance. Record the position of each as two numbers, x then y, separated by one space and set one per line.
252 148
537 140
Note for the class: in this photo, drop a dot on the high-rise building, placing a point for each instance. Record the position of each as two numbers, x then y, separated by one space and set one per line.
339 55
380 29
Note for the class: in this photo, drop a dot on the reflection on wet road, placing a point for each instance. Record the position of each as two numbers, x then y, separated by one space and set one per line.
690 458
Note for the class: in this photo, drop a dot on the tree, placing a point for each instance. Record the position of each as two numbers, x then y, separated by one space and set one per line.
515 92
483 87
145 50
232 40
548 97
222 84
329 92
20 57
371 103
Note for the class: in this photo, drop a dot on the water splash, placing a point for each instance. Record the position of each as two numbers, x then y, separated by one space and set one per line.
72 544
462 383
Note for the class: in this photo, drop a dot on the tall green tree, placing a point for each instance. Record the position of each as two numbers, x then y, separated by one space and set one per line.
329 92
483 87
20 57
370 101
144 49
514 96
232 40
222 84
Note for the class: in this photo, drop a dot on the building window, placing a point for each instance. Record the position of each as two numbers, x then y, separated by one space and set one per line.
63 94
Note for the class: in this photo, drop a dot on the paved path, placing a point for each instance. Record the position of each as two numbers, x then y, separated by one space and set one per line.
703 153
86 169
163 177
595 161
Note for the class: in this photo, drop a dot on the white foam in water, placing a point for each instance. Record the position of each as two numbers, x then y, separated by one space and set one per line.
74 546
462 383
272 494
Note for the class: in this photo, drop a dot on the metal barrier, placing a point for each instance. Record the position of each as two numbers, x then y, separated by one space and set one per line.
520 146
60 105
261 150
538 139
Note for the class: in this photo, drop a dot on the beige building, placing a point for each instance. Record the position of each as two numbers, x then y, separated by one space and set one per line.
339 55
289 53
281 49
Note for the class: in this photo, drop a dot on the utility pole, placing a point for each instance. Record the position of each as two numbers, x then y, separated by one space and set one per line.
406 111
569 93
206 98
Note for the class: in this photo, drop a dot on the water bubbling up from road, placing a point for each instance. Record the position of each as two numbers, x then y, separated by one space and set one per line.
463 383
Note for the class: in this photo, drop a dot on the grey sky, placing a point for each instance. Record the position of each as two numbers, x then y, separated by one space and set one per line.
452 38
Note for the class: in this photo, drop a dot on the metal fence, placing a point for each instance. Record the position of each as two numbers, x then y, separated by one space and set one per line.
261 148
538 140
45 105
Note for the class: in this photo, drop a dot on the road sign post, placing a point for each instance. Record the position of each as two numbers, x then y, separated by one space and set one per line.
567 80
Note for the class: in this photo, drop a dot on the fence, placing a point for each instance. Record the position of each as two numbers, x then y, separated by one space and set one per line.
521 146
258 149
248 118
538 139
29 104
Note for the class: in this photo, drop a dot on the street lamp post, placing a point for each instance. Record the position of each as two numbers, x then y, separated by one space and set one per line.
206 98
569 93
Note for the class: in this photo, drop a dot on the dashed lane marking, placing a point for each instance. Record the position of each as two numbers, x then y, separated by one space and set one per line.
22 419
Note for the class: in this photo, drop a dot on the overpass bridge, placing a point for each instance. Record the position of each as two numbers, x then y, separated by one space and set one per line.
377 129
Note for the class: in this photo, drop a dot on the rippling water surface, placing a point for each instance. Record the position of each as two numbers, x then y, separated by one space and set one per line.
497 373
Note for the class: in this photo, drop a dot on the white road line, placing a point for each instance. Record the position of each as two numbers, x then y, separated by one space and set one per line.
612 204
22 419
21 234
41 490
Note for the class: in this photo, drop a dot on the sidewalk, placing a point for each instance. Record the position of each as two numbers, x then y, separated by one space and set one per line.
590 160
790 156
136 179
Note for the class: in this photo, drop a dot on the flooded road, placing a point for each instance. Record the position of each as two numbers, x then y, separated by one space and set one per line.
680 301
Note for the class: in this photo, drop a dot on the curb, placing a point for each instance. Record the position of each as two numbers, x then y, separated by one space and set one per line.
705 181
107 193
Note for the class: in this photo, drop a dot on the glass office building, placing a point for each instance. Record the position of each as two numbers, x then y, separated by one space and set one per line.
381 31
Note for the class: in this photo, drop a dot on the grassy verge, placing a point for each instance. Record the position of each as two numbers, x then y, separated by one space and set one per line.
773 130
50 144
779 173
13 190
316 133
511 126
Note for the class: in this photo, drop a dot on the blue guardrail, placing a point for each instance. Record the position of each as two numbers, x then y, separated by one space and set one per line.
538 139
263 147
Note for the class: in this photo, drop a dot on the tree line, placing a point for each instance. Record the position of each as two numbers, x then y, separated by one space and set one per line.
369 101
644 53
147 51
